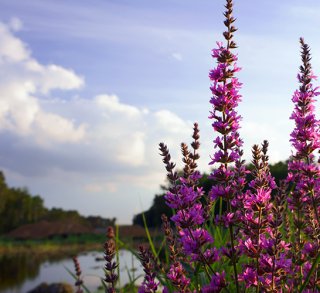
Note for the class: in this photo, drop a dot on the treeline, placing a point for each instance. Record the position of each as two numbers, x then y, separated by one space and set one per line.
18 207
159 207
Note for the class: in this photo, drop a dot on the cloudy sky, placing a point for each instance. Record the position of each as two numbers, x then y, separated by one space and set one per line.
89 88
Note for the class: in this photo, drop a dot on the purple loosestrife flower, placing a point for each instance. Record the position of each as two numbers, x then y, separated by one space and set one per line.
225 99
79 281
249 277
270 264
256 218
110 266
212 255
225 88
218 282
149 284
193 240
189 217
184 196
304 170
276 259
177 277
173 246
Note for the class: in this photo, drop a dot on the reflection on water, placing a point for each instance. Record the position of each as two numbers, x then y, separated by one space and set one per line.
14 270
23 272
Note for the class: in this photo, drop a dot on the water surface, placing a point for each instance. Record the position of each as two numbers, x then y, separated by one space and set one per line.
21 273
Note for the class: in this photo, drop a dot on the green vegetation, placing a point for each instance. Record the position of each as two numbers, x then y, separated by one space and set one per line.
19 207
56 245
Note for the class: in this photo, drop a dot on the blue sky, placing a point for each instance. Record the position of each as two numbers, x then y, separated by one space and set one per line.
89 89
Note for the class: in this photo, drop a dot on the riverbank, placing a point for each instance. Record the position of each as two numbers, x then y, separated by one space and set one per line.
56 246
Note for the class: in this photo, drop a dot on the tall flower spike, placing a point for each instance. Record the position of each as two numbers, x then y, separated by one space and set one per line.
110 267
304 171
173 246
149 284
305 138
225 99
77 268
228 35
171 174
185 197
190 157
256 220
276 247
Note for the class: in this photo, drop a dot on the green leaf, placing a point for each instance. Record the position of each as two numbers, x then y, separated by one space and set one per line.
314 265
149 236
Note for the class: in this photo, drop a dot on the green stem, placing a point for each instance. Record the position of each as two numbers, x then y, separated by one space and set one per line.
257 258
314 265
234 263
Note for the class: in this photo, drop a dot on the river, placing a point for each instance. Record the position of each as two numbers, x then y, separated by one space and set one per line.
21 273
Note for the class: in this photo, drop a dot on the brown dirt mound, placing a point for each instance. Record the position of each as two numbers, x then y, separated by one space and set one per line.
45 229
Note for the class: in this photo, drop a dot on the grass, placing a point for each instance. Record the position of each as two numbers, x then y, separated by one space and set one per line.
56 245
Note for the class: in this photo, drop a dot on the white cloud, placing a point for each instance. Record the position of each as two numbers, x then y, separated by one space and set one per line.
23 80
57 77
17 107
57 128
256 133
11 48
170 121
132 150
92 140
130 135
111 103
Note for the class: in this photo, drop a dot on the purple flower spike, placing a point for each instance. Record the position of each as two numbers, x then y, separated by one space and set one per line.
185 197
229 173
218 282
149 284
304 169
178 278
249 276
193 240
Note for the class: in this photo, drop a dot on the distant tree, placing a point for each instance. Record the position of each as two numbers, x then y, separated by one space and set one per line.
18 207
100 222
58 214
153 215
38 208
279 171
